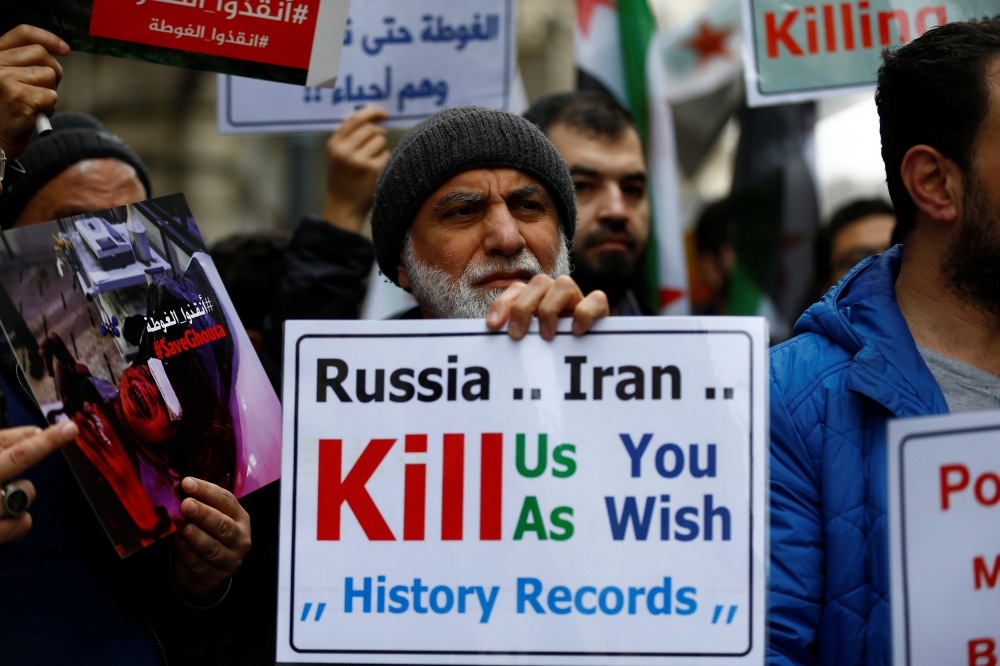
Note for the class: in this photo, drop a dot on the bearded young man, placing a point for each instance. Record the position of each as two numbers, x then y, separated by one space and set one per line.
601 145
474 214
911 332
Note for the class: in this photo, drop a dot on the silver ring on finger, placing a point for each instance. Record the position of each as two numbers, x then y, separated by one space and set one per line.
15 500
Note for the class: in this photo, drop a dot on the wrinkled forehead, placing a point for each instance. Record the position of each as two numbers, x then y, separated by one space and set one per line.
482 184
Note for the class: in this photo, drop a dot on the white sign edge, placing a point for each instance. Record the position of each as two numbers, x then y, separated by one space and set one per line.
899 429
324 61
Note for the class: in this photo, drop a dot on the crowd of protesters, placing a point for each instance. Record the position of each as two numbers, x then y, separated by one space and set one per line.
485 214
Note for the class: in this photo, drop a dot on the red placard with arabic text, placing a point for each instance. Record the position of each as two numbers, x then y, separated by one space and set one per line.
276 32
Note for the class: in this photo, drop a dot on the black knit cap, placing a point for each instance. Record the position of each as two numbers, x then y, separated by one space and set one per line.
75 137
445 145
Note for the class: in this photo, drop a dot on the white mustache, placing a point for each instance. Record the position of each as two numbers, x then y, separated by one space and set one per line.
523 261
460 298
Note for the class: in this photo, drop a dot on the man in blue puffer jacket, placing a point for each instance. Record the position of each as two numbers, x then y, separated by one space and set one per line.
912 332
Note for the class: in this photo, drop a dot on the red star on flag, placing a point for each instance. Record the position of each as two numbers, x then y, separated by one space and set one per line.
585 11
708 43
668 296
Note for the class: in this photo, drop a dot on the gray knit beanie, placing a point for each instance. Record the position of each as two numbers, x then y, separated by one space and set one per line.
445 145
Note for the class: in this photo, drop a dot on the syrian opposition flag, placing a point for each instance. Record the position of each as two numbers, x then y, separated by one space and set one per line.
597 45
664 181
704 64
616 45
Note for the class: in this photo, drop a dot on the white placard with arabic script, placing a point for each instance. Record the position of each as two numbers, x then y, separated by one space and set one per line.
412 58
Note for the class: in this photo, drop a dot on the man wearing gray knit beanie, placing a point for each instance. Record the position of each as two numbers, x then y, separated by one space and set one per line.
474 214
79 168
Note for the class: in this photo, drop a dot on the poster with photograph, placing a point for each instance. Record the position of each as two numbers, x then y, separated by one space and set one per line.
292 41
120 322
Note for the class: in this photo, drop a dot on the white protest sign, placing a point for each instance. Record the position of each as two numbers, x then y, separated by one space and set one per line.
944 506
412 58
452 496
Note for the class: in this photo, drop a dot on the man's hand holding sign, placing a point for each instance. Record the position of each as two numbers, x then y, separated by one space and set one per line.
546 299
29 76
210 548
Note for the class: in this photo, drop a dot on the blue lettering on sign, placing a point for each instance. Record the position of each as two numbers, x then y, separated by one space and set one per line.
630 512
673 466
533 597
609 600
685 518
442 599
306 608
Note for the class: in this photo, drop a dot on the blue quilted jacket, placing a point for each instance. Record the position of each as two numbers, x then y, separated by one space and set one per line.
852 365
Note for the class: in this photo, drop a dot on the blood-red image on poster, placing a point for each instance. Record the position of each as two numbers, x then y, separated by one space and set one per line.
121 323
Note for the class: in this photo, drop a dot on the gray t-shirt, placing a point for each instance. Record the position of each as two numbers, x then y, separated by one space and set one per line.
965 387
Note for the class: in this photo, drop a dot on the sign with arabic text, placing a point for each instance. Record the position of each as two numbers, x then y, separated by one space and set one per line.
281 35
292 41
453 496
802 49
413 59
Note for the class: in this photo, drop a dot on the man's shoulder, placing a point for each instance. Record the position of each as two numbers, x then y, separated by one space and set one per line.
801 365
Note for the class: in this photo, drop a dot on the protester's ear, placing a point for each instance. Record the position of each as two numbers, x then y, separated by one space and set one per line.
403 276
934 183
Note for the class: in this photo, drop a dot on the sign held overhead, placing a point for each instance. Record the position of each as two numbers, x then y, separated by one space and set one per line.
413 59
293 41
803 50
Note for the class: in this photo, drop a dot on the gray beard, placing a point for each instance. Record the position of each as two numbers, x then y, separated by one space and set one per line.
458 298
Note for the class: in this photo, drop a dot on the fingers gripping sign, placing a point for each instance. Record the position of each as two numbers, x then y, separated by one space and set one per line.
548 299
211 547
20 449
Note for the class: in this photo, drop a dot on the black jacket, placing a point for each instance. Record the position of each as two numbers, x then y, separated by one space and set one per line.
326 275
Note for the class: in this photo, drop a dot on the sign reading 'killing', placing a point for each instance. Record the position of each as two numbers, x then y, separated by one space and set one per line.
453 495
413 59
803 49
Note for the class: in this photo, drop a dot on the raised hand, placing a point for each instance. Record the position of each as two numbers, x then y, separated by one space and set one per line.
29 75
356 155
